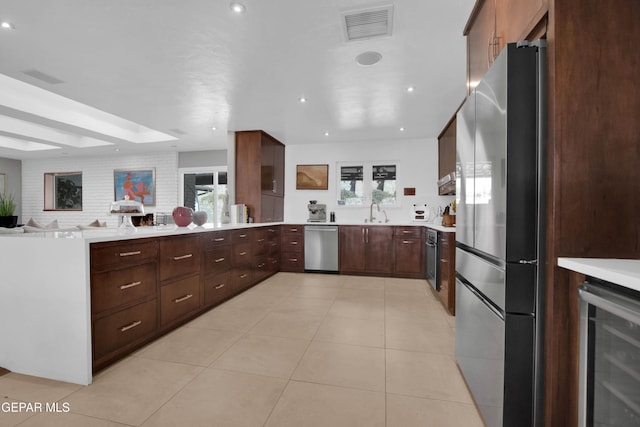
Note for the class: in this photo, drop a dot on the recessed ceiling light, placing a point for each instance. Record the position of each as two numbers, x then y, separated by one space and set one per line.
326 134
116 149
401 129
237 7
411 89
368 58
303 99
213 128
7 25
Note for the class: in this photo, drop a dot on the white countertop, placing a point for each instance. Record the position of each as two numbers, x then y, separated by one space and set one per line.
100 234
623 272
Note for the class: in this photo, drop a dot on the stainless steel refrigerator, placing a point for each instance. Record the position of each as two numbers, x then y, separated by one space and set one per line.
500 237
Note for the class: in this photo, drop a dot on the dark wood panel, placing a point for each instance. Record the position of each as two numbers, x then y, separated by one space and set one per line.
114 288
352 248
215 239
242 235
217 259
217 288
248 171
515 18
292 262
241 254
409 232
241 278
179 299
447 293
480 31
124 327
179 256
129 252
409 257
379 253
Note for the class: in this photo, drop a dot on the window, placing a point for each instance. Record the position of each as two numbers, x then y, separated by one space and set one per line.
362 183
205 190
63 191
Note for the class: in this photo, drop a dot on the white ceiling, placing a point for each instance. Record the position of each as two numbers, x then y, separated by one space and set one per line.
179 67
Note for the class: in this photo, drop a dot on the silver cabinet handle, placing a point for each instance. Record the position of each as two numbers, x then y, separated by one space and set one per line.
220 286
261 265
220 259
243 276
184 298
293 230
293 259
131 325
293 243
260 240
243 253
130 285
130 253
219 239
274 186
242 236
178 258
406 232
407 242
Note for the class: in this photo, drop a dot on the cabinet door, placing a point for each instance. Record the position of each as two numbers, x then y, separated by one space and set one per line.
352 248
267 176
267 211
379 253
516 18
409 257
278 169
480 39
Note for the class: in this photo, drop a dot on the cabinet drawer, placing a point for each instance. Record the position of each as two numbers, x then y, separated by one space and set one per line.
241 255
409 232
114 288
241 236
179 299
179 256
241 278
217 259
292 261
293 229
217 288
293 242
215 238
124 327
131 252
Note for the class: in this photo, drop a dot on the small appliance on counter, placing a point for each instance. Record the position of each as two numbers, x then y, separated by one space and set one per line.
317 212
420 212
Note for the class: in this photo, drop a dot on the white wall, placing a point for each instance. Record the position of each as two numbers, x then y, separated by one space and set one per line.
97 186
417 167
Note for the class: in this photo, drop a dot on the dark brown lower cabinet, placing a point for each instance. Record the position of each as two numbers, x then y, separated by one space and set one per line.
179 299
123 329
366 249
408 244
447 266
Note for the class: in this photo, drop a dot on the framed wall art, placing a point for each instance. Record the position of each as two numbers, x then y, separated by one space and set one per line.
312 177
138 184
63 191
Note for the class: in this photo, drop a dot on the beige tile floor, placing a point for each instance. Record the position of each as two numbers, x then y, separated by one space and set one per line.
295 350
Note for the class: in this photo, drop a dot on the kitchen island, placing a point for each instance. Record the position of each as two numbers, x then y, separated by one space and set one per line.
45 296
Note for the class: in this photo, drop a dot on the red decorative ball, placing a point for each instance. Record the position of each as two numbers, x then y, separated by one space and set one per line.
182 216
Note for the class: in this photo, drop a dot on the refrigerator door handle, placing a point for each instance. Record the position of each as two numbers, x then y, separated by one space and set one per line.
481 297
528 261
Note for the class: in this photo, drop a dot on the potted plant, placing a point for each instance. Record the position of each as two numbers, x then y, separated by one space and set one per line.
7 207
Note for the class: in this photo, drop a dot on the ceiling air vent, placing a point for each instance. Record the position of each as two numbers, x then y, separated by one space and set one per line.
367 23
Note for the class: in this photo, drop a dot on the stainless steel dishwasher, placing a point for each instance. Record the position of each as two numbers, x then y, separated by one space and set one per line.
321 248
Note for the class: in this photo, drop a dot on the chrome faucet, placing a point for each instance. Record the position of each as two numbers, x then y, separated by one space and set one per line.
371 217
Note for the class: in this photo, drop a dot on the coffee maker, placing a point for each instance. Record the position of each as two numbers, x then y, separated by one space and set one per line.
317 212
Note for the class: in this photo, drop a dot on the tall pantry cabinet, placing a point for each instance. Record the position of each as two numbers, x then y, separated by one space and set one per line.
260 175
593 151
